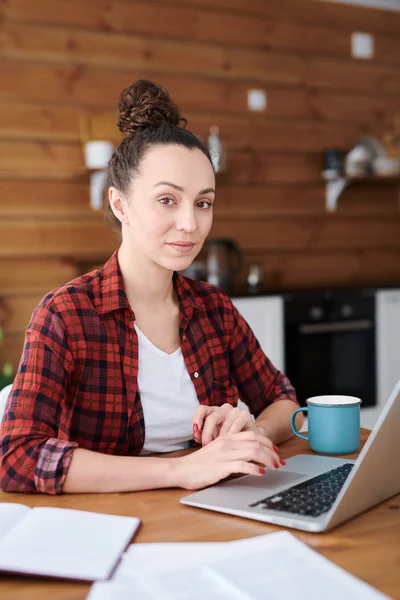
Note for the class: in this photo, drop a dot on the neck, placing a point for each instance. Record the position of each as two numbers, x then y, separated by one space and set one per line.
146 283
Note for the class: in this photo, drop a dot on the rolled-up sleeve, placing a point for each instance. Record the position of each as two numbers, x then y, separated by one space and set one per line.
33 455
259 382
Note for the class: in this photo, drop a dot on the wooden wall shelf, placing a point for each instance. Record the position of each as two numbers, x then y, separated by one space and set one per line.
335 187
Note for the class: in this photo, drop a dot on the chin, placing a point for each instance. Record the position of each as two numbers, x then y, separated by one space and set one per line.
176 264
180 265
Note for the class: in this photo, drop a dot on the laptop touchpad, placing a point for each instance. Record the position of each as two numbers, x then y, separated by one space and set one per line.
256 488
272 480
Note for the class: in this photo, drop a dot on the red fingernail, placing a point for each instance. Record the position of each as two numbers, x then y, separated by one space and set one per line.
276 465
283 463
275 448
261 471
195 428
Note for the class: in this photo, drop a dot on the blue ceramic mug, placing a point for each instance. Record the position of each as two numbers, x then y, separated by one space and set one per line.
333 424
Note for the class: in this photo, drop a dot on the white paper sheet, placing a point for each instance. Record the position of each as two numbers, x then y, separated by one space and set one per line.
110 590
287 568
194 583
276 566
10 514
142 558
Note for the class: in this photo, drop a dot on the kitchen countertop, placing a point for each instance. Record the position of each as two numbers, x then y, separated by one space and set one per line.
243 292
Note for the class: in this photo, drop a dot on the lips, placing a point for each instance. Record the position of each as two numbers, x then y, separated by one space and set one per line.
182 246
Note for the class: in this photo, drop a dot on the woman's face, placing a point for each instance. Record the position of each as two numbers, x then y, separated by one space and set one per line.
169 206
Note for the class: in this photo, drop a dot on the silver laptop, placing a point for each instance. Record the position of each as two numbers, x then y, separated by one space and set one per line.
316 493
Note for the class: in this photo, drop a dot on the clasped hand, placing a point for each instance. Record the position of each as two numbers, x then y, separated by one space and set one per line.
231 444
210 422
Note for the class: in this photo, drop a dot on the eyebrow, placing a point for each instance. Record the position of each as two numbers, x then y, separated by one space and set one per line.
180 189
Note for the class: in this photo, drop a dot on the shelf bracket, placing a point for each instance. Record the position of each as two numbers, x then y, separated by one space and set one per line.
334 189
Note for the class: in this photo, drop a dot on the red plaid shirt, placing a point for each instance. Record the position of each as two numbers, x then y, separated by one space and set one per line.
76 384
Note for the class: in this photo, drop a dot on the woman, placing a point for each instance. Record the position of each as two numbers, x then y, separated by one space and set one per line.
134 358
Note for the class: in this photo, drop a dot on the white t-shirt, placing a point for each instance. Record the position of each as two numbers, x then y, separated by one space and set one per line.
168 397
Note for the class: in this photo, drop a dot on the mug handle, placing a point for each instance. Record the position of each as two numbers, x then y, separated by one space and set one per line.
295 431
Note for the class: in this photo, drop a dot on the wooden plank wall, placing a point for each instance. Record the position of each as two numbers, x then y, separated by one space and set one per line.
60 59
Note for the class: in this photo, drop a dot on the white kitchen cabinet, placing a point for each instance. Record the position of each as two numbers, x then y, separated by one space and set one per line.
387 342
264 314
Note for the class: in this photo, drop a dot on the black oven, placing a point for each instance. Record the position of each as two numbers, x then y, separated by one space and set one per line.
330 343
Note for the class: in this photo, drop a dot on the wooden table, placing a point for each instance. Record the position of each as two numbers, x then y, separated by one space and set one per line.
368 546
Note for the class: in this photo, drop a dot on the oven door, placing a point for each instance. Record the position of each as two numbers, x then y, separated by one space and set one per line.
336 357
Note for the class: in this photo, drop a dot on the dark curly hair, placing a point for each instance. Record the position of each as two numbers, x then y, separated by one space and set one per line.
147 117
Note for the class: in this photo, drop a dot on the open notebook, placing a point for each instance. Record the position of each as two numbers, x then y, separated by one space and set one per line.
63 543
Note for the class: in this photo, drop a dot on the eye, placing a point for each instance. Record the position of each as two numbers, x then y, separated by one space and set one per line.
166 201
206 205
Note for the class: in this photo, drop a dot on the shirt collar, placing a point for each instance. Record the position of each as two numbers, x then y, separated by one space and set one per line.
112 294
187 297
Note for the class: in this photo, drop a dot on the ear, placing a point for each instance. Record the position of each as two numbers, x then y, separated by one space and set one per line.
118 204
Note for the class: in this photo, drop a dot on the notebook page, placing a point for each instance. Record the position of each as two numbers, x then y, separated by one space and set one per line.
10 514
72 544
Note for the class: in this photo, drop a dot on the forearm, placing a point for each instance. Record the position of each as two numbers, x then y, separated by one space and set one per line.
100 473
275 420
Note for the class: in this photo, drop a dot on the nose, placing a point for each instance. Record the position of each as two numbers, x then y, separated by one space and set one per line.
186 219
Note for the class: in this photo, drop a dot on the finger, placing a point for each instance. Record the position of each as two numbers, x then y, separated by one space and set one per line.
230 418
245 437
200 414
244 422
211 426
255 452
252 435
233 448
202 411
198 418
198 436
242 467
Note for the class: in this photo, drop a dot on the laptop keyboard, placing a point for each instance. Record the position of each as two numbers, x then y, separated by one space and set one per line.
312 497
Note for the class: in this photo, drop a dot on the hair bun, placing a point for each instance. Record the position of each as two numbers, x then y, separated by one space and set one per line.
144 104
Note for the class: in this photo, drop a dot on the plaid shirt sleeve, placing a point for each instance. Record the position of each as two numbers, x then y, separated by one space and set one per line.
32 455
258 381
